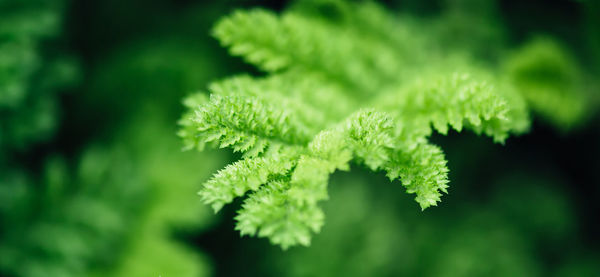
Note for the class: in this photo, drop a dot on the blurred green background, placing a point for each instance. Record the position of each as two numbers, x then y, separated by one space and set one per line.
93 181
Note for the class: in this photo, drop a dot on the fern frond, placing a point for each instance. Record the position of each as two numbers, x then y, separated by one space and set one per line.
331 147
337 92
272 213
257 46
420 166
242 176
551 82
294 41
286 210
247 124
307 96
423 171
457 100
370 137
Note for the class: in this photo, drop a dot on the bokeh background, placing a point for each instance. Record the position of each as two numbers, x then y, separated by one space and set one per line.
93 181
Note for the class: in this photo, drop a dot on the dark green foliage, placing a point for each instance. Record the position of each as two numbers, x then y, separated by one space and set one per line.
62 231
114 209
30 75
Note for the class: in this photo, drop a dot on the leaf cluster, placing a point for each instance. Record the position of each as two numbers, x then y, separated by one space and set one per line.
357 88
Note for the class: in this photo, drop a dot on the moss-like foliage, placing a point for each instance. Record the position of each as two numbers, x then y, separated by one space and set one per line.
359 87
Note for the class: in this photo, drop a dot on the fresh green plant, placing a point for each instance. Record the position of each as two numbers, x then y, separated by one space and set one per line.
349 82
336 92
93 181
